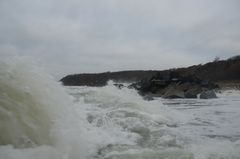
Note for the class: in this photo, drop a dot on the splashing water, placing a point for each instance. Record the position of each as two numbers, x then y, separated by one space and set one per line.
41 119
175 129
37 117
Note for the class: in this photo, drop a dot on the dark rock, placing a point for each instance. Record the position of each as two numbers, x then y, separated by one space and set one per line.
208 94
190 95
173 93
133 86
119 85
172 85
148 97
192 92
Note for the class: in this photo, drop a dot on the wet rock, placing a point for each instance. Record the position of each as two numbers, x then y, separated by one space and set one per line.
192 93
173 85
148 97
119 85
173 93
208 94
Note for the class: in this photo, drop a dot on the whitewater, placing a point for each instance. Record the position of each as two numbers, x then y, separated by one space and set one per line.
41 119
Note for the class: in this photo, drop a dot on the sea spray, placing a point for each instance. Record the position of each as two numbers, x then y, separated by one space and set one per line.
136 128
37 115
131 123
25 105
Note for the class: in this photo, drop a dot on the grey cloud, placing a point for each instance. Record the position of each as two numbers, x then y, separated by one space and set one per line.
94 36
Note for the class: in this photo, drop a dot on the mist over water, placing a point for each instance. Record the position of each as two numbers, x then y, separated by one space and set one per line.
39 118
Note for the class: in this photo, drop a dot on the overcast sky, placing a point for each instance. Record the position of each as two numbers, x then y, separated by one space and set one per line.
76 36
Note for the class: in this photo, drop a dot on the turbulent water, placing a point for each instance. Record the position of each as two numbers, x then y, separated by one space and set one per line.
40 119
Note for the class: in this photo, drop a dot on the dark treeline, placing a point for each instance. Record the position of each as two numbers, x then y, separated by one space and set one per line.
216 71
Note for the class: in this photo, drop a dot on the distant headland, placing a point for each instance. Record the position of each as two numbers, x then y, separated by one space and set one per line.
218 71
190 82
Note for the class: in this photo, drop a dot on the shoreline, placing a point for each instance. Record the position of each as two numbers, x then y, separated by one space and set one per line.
229 85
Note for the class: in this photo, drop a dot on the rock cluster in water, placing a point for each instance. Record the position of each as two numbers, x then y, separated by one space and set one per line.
172 85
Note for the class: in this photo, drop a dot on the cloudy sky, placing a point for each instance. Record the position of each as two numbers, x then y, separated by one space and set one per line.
75 36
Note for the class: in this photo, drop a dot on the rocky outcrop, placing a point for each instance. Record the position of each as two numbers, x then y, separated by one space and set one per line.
208 94
119 85
173 93
172 85
192 93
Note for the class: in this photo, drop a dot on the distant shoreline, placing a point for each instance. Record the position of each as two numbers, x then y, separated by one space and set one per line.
225 73
228 85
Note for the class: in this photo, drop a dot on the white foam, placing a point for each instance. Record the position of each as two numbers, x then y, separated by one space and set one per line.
38 116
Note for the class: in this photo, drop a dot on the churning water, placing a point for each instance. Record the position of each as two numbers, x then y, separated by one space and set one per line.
40 119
